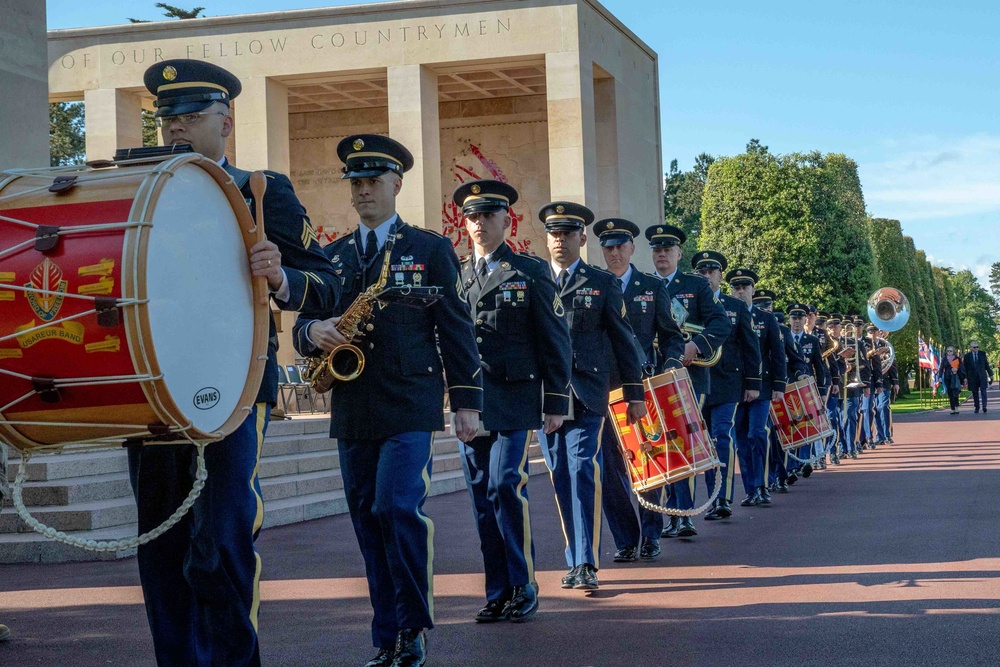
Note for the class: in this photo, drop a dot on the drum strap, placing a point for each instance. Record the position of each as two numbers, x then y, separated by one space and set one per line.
240 177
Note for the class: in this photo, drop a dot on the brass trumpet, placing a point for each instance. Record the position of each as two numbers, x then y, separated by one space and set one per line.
692 330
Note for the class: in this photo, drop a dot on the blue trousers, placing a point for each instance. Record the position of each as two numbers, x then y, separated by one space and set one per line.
882 415
200 579
616 497
851 423
496 472
867 416
386 483
720 420
574 457
777 468
753 431
833 413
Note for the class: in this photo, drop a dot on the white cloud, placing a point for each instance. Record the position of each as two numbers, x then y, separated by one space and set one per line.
934 178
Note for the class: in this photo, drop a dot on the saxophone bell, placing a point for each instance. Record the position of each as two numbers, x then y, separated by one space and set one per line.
346 362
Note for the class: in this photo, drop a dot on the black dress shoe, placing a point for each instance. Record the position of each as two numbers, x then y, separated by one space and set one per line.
984 410
763 496
713 514
773 486
494 611
835 460
791 479
626 555
650 548
782 487
569 581
750 500
724 509
411 648
854 455
807 470
383 658
587 579
685 528
670 530
522 605
893 443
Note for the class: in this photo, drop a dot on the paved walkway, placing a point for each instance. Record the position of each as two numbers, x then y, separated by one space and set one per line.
893 559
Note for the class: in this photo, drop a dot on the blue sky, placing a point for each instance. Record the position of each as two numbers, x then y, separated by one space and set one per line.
910 90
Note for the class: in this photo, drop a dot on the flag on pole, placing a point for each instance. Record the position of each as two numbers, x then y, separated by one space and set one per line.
924 352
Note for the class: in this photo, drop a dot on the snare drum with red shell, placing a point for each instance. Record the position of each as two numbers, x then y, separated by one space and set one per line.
127 307
671 442
799 416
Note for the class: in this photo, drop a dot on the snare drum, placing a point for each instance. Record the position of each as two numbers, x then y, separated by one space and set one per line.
671 442
799 416
127 306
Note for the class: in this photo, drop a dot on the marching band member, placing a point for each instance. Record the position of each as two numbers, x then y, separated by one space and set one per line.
837 365
384 420
526 354
821 447
753 431
795 366
200 580
735 380
858 366
868 402
648 308
694 296
815 366
602 338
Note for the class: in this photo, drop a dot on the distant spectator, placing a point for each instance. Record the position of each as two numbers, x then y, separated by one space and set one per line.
952 372
979 374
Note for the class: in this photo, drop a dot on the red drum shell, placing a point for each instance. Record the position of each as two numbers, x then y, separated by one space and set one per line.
799 417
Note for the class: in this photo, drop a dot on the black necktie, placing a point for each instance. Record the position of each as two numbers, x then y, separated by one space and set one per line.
482 271
563 279
371 246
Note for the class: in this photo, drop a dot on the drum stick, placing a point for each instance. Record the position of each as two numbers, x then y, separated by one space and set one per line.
258 186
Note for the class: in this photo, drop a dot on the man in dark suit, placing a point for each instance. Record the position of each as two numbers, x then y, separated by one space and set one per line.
736 380
753 429
648 308
384 420
525 353
200 579
692 298
602 339
979 374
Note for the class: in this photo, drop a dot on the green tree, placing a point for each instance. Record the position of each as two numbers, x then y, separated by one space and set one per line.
67 143
682 195
172 12
995 280
798 220
978 311
893 260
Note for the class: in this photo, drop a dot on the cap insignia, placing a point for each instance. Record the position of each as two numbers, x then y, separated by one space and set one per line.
169 73
659 230
611 225
476 189
560 209
739 273
358 144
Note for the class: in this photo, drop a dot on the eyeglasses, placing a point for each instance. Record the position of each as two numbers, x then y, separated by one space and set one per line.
975 347
185 118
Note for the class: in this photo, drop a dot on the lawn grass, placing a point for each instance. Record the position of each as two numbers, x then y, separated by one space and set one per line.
911 403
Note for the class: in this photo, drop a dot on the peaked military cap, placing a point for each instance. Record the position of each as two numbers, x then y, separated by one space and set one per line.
871 327
765 295
798 310
615 231
665 236
811 308
741 277
186 86
565 215
485 196
820 319
709 259
834 319
367 155
780 316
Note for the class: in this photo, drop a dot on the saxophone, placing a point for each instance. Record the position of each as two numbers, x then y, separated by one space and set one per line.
345 362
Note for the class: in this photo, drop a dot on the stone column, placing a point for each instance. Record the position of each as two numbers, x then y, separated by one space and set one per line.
261 114
24 80
414 122
113 120
573 174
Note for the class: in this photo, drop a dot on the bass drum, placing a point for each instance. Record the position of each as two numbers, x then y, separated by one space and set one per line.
799 416
127 306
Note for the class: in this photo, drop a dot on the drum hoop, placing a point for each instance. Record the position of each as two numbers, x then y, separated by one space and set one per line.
138 327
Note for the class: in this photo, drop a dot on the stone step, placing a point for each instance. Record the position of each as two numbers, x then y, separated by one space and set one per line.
35 548
72 490
92 515
50 467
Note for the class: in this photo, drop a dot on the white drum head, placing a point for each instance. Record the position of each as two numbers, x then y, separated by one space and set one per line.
201 310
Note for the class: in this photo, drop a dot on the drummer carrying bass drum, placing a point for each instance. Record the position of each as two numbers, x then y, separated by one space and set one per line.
200 579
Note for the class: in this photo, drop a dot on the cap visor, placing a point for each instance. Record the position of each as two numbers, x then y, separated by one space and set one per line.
186 107
364 173
483 208
612 242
